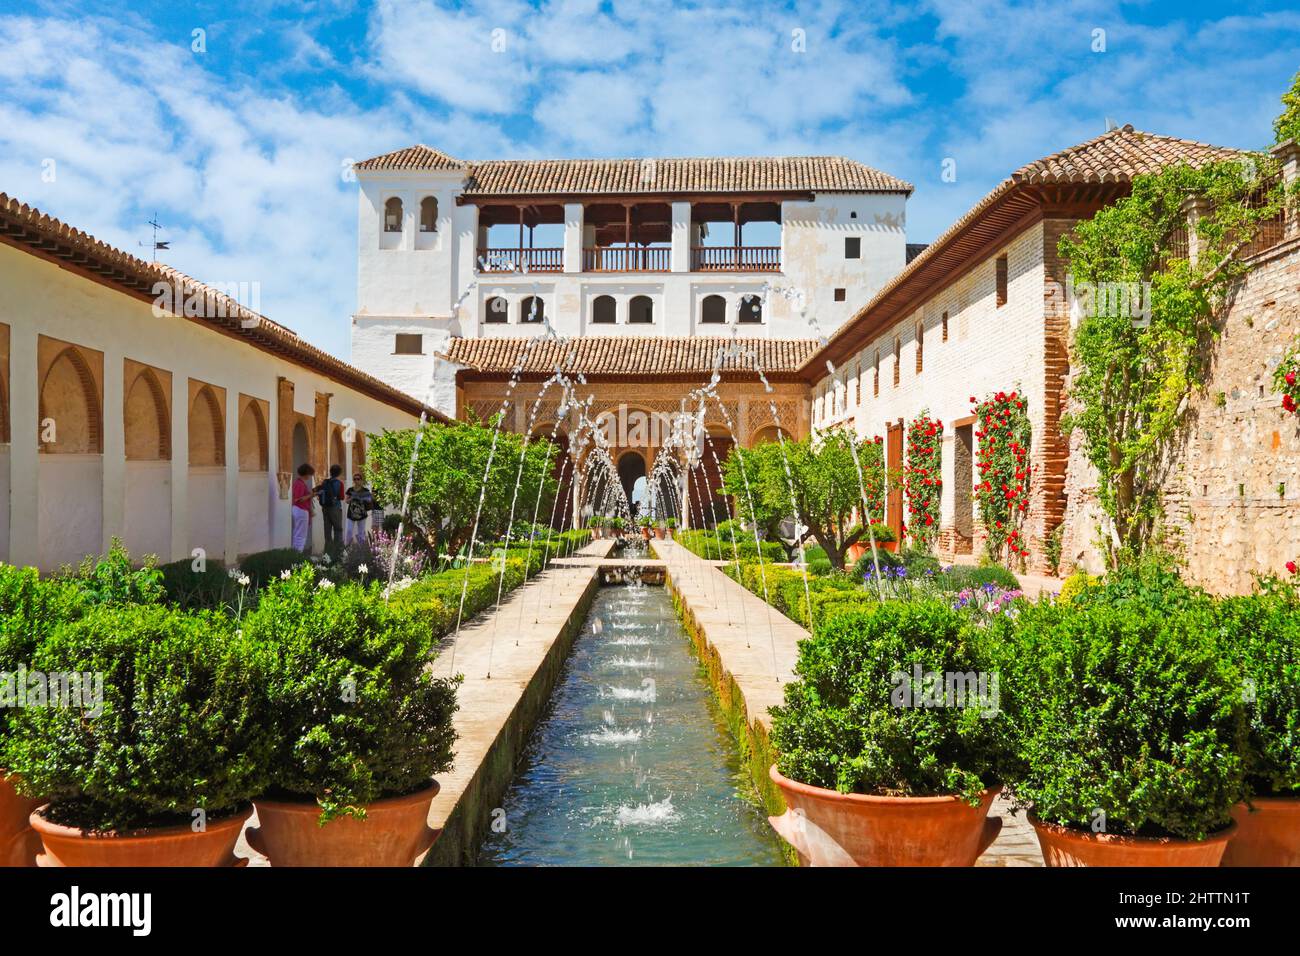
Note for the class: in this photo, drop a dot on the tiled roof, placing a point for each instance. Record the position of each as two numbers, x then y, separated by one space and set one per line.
28 228
529 177
413 157
1113 158
1118 156
639 357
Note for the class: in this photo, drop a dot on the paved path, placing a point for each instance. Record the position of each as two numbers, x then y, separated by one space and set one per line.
758 646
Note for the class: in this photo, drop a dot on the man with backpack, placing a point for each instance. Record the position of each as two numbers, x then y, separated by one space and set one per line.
330 494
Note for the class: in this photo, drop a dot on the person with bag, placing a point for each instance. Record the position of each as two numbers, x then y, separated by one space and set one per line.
360 502
302 509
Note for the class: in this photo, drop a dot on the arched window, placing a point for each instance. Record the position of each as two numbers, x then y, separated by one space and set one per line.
147 423
393 215
338 450
750 309
713 310
496 309
532 309
301 445
429 214
69 406
603 310
207 430
252 438
641 310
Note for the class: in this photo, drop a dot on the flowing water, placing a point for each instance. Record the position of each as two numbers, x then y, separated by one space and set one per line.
632 765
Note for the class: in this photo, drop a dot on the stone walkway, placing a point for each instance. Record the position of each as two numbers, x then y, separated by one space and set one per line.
517 646
758 646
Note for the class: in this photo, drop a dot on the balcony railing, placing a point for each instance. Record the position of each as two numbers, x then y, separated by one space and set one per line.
736 259
627 259
521 260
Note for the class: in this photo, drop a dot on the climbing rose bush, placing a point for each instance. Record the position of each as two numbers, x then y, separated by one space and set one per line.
924 481
1002 489
1286 379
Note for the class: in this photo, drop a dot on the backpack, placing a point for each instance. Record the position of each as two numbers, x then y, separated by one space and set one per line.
329 497
357 506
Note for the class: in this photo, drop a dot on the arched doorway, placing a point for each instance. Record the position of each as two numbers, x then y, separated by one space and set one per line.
631 474
301 446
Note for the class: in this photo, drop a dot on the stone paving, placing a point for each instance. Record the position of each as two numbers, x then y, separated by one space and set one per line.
758 646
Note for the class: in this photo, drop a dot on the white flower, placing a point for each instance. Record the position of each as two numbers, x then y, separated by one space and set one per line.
244 580
993 607
286 574
363 569
325 558
325 583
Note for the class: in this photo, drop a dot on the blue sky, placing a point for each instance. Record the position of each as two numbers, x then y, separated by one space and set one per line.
108 114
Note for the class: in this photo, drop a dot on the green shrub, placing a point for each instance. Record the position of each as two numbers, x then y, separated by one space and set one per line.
1128 711
1263 632
959 577
183 725
357 715
262 567
111 579
846 726
1154 582
211 588
865 567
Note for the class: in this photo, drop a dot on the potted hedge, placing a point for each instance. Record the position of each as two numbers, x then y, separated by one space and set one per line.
154 758
646 523
1264 630
671 526
661 530
1128 728
361 726
879 764
29 607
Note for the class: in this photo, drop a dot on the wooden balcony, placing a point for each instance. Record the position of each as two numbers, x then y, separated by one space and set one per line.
627 259
546 259
736 259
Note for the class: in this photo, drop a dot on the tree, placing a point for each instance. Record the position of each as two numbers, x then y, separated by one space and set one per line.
1287 125
449 477
1136 369
826 487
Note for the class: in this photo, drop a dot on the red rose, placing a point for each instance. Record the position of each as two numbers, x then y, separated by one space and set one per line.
1291 566
1290 378
1288 403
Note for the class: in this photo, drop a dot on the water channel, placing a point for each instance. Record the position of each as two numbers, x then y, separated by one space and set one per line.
632 765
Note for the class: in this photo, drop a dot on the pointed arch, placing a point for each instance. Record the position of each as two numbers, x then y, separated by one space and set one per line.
69 400
146 417
254 447
207 429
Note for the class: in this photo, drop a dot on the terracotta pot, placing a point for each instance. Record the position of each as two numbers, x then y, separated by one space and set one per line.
19 843
645 533
1268 833
1064 846
827 828
659 533
161 846
854 552
394 833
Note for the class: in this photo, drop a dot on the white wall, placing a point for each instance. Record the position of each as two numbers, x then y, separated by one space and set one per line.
69 509
148 509
68 502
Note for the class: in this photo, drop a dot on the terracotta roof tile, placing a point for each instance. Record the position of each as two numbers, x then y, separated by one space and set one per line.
26 226
630 176
1114 157
633 357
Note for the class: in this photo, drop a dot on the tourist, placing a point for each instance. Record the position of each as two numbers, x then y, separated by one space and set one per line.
360 503
331 506
302 509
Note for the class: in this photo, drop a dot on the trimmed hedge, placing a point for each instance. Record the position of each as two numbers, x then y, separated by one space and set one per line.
266 566
184 724
854 722
1131 712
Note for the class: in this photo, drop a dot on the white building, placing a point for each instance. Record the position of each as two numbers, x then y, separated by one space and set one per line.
669 248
